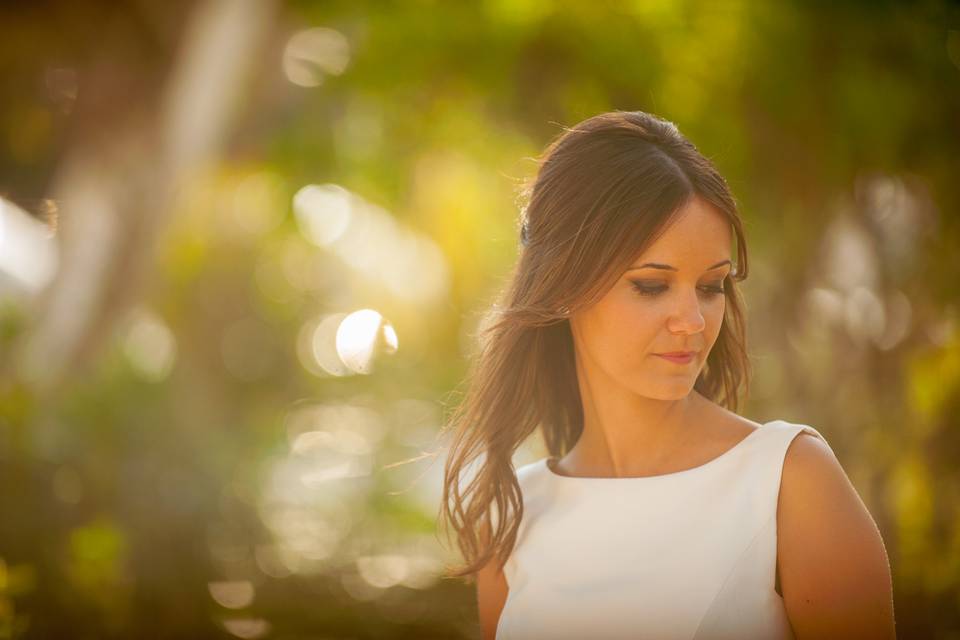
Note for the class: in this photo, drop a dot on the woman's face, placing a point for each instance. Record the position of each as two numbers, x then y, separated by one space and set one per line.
675 305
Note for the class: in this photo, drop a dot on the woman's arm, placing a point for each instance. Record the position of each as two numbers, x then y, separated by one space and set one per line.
491 596
834 569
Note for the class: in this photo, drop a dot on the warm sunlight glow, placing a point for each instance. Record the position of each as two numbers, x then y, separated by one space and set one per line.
362 335
313 54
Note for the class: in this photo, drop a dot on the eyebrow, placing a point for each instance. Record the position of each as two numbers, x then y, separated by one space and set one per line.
656 265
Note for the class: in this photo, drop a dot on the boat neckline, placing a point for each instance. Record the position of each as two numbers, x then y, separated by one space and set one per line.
545 463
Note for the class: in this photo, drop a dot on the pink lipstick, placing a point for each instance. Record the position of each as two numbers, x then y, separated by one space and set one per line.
680 357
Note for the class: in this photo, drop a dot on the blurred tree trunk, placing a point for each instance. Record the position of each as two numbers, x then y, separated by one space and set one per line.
116 185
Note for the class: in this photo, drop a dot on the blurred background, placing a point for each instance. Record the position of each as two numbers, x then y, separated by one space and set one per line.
245 246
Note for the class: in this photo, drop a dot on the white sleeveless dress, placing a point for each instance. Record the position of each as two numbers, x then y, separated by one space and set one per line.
688 555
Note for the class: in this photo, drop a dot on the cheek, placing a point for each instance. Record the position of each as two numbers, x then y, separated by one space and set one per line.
623 328
628 328
713 314
713 319
644 321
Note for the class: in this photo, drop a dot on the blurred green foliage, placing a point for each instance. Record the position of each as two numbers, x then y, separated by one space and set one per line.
161 486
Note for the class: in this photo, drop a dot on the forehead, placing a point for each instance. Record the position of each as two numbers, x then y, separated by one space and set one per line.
698 232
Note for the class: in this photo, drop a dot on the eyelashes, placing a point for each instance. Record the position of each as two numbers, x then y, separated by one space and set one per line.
646 290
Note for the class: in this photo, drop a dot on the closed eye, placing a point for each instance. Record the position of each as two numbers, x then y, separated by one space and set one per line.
646 289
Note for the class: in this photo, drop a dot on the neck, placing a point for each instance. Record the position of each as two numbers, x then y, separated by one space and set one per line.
626 434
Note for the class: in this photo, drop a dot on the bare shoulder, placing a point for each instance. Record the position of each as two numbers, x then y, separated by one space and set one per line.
834 571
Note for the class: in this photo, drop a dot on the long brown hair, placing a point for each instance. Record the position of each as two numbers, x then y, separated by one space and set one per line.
604 190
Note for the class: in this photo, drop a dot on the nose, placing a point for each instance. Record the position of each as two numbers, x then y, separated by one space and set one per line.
687 317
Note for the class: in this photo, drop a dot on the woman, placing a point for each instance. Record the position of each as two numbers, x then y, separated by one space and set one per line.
659 512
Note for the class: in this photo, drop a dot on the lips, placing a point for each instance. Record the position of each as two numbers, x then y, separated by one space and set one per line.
680 357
